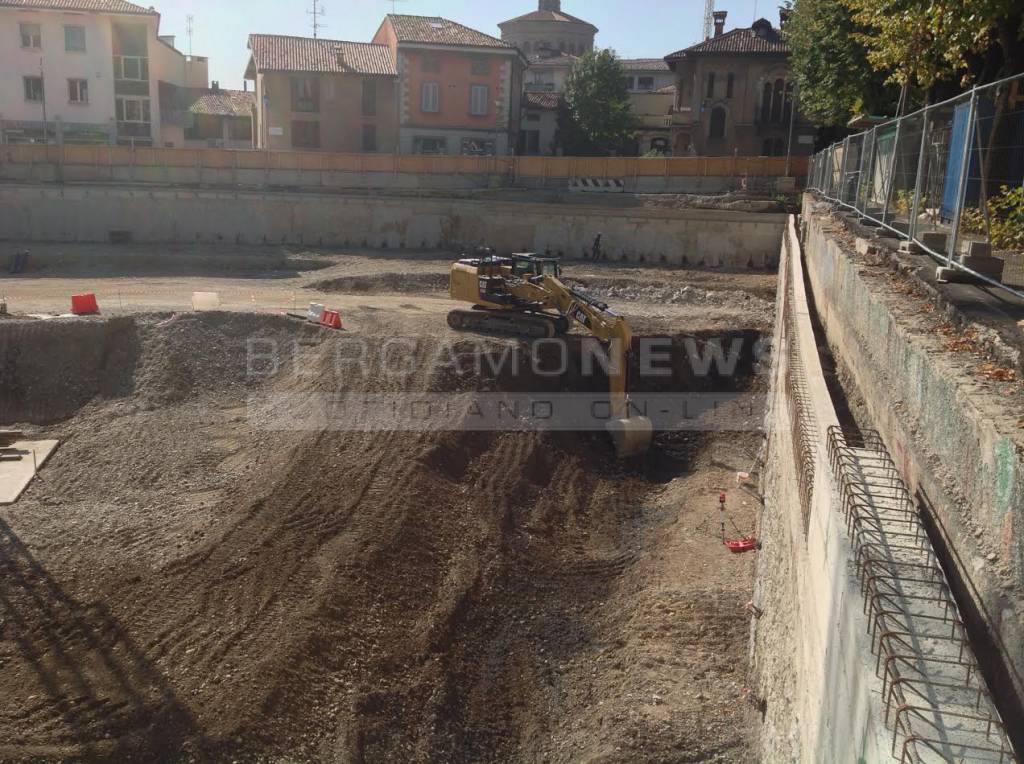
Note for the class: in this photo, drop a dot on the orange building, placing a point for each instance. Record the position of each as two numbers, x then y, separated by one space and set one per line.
459 90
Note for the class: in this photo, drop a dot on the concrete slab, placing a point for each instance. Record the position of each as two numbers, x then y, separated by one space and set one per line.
15 476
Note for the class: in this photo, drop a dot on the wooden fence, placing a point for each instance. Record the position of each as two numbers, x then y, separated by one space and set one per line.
515 167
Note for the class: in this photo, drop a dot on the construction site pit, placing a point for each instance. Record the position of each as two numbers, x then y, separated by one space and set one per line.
183 582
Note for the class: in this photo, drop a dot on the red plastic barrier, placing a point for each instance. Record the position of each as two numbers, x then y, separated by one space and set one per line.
84 304
739 546
331 318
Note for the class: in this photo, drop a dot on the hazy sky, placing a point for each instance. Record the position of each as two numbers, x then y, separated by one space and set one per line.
635 29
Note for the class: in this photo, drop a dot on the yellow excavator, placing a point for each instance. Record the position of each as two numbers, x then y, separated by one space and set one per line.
524 295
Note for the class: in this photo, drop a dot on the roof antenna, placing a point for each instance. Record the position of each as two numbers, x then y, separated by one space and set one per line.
317 13
709 18
190 28
394 5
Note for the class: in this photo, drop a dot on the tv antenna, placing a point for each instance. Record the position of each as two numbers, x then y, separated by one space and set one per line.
394 5
317 13
190 28
709 18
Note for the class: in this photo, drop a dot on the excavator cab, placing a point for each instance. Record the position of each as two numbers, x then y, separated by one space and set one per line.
527 265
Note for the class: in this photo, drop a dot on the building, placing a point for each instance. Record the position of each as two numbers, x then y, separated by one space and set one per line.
549 29
734 95
85 71
208 117
331 95
552 42
459 90
651 86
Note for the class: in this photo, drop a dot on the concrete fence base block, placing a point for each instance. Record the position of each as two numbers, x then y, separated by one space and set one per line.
910 247
934 240
986 265
979 249
956 276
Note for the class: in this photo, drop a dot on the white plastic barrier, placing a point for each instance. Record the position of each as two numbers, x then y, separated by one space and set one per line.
315 313
205 301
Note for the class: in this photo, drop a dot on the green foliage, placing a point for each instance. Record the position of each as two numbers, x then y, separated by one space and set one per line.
834 77
598 116
1005 219
921 42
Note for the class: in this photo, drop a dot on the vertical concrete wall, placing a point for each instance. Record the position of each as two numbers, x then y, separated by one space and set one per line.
953 439
695 237
812 662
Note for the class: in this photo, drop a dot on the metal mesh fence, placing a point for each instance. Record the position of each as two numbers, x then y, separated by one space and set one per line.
949 177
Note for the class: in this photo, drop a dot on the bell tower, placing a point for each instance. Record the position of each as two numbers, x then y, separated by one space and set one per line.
551 5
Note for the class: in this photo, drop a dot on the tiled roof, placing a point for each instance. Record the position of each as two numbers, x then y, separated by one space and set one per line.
94 6
434 30
739 41
223 103
280 53
644 64
546 101
549 16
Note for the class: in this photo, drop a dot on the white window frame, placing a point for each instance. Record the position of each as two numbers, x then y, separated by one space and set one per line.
67 28
35 39
42 88
430 97
144 106
78 91
142 62
479 100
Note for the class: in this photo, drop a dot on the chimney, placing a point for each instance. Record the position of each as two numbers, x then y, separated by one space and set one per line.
215 86
550 5
719 22
783 17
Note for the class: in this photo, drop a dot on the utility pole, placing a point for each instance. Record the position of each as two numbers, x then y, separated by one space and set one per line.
317 13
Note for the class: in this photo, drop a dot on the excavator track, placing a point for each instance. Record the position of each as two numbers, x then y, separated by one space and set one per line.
505 322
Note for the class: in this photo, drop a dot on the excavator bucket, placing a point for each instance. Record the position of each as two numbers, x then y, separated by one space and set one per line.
632 436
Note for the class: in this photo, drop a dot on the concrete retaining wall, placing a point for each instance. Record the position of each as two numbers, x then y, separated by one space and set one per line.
812 663
952 437
90 213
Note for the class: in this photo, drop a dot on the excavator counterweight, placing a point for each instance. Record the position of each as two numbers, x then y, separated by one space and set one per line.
524 295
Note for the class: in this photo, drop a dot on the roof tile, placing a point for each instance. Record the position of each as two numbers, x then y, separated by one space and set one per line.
644 64
95 6
742 40
549 16
305 54
224 103
545 101
434 30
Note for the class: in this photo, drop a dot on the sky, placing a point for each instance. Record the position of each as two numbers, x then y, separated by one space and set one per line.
637 29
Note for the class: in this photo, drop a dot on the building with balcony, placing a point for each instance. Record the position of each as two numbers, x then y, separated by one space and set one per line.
459 90
86 71
735 95
323 95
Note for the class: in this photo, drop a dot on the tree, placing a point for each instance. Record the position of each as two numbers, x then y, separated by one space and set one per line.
597 119
830 63
923 42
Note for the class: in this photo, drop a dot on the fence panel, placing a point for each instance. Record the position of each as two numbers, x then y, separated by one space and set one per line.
950 177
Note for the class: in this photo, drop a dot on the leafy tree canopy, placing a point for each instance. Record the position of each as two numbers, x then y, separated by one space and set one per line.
598 116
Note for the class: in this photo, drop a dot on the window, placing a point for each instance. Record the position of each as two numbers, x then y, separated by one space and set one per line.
425 145
132 109
74 39
31 36
306 94
645 83
305 135
711 86
78 91
369 137
431 64
717 128
369 98
628 82
479 95
33 88
766 103
477 147
480 67
730 85
787 106
431 97
131 68
777 101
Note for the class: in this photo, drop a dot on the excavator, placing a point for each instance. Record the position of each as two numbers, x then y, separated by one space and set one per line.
524 295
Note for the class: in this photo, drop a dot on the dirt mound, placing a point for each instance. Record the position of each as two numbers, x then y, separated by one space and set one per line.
182 585
384 282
